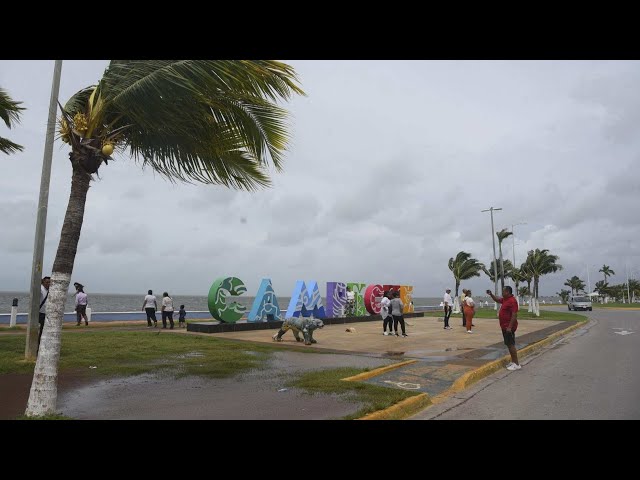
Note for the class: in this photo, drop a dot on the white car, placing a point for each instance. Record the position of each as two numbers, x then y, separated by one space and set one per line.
580 303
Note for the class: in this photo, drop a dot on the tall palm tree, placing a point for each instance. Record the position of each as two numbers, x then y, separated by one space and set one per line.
464 267
575 284
10 113
541 262
502 234
214 122
607 272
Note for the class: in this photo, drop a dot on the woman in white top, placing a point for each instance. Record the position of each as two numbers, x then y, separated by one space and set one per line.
167 310
469 311
150 306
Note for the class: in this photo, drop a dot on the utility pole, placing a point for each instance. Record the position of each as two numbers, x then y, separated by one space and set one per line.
513 238
588 281
41 219
626 269
493 239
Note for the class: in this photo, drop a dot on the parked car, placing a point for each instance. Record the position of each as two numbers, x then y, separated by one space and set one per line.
580 303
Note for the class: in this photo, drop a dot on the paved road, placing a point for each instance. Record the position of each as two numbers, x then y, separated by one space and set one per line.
592 374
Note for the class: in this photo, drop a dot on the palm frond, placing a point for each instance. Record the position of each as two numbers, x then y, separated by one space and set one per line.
7 146
9 109
79 101
186 119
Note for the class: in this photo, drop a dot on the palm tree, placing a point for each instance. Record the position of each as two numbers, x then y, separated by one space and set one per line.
564 295
502 234
464 267
602 288
214 122
10 113
508 267
517 276
575 284
607 272
527 276
540 262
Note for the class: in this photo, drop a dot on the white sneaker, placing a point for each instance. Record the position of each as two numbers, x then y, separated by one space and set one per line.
469 331
514 366
386 333
508 364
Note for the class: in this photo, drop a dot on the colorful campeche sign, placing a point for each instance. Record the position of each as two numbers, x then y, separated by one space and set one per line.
305 300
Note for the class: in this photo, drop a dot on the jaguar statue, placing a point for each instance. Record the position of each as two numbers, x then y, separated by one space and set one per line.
306 325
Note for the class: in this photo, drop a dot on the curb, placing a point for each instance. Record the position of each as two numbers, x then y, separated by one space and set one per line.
413 405
401 410
377 371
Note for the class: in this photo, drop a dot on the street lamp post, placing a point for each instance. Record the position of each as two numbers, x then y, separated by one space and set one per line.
626 269
31 347
493 239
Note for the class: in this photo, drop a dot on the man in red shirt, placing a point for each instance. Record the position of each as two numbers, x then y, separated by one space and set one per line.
508 317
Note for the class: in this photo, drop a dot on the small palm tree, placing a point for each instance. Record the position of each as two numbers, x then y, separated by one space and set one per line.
607 272
10 113
602 288
464 267
575 284
517 276
507 266
564 295
214 122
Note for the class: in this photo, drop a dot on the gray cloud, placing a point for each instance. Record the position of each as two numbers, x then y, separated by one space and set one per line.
390 165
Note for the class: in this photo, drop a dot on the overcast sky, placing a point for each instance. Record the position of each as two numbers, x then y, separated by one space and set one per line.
389 167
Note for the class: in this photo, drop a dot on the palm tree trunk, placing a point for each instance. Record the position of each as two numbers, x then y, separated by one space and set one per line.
457 286
44 388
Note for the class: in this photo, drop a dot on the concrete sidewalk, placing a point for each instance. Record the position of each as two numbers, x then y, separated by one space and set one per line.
433 361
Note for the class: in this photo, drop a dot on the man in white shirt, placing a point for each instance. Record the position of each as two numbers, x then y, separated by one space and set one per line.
351 301
150 305
448 307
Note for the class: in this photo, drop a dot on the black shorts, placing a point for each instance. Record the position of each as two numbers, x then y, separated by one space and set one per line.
509 337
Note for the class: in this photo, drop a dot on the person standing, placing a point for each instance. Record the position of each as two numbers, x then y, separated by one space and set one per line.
81 304
44 295
351 302
508 318
167 310
385 312
150 305
463 295
448 307
182 313
469 311
396 310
